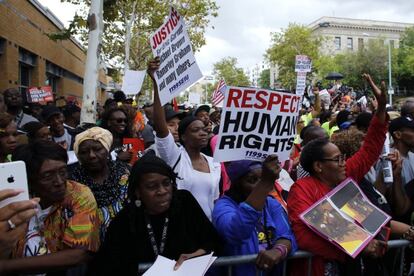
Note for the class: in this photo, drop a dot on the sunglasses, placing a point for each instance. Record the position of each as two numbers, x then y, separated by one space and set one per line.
120 120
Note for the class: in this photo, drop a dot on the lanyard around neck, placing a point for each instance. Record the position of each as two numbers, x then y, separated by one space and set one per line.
152 236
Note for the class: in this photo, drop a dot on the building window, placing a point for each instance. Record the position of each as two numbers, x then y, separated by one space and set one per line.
2 45
392 44
349 43
25 75
52 81
360 43
27 57
337 43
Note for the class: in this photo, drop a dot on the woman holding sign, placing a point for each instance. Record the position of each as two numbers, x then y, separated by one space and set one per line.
328 167
196 171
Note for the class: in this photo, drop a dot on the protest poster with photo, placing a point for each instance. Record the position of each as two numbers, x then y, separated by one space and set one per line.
178 67
346 218
40 95
256 123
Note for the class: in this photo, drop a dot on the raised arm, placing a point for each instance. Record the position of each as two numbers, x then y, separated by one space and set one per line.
380 96
317 107
160 123
360 163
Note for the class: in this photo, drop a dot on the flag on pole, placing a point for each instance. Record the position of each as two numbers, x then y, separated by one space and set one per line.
218 94
175 104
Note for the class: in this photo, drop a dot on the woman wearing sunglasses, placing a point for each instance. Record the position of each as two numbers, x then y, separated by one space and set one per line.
118 122
328 167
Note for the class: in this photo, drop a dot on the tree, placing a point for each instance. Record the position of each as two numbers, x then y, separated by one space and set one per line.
264 79
227 69
129 23
405 58
372 59
90 87
295 40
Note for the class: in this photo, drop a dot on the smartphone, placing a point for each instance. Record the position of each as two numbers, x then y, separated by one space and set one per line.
13 176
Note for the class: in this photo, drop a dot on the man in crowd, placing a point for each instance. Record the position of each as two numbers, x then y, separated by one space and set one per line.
402 131
72 115
54 118
14 102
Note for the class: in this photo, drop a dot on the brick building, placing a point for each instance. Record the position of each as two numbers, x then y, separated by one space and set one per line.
28 58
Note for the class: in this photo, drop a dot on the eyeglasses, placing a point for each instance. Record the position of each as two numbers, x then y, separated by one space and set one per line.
340 160
51 176
120 120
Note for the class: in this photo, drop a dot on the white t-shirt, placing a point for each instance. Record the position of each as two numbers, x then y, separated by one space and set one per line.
407 173
203 186
33 237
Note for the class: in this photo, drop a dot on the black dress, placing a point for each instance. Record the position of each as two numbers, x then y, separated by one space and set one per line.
127 241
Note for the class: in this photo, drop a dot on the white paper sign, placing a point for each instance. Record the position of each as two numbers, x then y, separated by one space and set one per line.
256 123
178 68
301 83
194 98
303 64
132 81
196 266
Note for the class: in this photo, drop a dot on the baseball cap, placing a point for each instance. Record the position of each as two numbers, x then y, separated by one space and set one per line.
401 122
203 107
49 111
170 113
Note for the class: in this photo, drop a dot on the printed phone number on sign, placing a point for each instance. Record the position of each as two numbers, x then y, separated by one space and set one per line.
256 155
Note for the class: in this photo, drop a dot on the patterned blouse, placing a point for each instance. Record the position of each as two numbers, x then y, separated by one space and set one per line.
111 195
73 223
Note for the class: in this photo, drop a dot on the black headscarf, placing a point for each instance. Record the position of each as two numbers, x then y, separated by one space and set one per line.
149 163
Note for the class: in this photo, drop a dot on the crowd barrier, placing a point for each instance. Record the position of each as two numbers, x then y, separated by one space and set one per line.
231 261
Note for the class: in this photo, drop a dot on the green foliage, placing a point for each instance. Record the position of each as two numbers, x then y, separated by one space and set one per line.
149 15
405 57
295 40
373 59
264 79
228 70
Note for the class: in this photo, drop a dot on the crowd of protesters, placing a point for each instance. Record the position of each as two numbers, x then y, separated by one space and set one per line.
95 211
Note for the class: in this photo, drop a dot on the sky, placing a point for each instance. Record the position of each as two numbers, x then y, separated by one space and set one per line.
243 28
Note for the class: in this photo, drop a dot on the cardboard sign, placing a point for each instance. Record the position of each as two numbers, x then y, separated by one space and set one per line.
132 81
178 68
303 64
134 145
256 123
42 94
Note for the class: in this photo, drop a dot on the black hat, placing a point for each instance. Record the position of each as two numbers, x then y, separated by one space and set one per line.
185 123
202 108
170 113
49 111
344 119
400 123
70 109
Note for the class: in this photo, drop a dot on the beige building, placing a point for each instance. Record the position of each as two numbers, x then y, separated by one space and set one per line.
346 34
28 58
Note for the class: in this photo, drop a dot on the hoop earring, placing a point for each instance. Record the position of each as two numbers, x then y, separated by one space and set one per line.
138 203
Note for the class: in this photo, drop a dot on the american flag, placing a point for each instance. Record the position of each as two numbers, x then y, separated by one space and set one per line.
218 94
